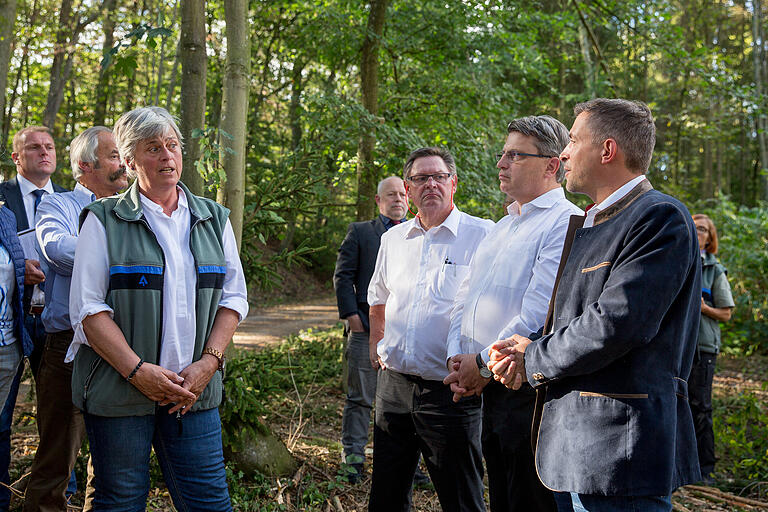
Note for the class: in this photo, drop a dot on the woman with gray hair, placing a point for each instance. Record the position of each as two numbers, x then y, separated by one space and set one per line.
157 292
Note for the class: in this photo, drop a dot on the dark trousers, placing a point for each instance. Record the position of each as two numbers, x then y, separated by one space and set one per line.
412 415
507 417
60 425
700 399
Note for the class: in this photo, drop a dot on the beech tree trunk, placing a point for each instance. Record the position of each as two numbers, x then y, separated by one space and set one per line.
369 85
102 87
70 28
234 112
7 21
193 75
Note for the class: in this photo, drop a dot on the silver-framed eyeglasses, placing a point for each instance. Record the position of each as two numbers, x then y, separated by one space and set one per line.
420 179
513 155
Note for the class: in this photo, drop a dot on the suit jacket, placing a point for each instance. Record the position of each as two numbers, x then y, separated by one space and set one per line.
613 417
354 267
11 194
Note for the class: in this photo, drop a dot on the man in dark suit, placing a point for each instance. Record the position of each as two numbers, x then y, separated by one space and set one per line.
35 157
613 430
354 268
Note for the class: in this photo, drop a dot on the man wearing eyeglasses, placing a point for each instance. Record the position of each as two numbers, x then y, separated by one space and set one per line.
418 271
509 283
613 429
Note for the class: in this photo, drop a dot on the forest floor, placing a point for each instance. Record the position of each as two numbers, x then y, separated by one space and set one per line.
307 417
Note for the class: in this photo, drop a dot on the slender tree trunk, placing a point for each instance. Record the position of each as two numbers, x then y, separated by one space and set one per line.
102 86
174 67
297 87
369 86
70 28
761 120
7 21
234 110
193 74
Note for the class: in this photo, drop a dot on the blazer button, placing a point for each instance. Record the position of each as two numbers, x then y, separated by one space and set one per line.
538 376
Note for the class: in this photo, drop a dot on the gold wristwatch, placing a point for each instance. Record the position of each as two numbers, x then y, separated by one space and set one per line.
218 355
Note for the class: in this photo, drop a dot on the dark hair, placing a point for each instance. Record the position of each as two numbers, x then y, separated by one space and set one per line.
550 136
629 123
430 151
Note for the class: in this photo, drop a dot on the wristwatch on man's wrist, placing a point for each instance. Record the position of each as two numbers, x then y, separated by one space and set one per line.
218 355
484 371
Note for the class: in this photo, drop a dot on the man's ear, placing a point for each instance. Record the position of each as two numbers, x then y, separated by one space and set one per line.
609 151
552 166
85 166
15 157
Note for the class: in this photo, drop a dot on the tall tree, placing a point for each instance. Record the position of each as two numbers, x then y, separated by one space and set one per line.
234 111
71 25
7 20
761 119
102 86
193 74
369 88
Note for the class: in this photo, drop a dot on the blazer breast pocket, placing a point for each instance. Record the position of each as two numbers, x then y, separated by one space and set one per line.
603 264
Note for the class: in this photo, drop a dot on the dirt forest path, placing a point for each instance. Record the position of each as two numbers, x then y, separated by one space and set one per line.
271 325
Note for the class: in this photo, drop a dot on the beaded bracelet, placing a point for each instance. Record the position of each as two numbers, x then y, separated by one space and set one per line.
133 373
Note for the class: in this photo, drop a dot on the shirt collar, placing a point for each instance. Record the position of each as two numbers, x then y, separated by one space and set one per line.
544 201
155 208
618 194
451 223
27 187
388 223
82 190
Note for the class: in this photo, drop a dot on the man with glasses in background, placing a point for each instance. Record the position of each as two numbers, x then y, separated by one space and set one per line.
419 267
507 290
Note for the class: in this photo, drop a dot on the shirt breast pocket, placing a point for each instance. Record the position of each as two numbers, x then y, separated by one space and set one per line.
449 279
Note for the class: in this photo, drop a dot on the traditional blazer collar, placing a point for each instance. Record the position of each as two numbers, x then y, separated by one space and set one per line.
620 205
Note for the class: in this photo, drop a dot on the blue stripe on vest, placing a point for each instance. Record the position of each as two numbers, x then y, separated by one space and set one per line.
211 276
211 269
135 269
135 277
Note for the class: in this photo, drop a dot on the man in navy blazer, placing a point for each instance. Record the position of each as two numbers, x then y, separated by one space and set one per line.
612 429
354 268
35 157
34 154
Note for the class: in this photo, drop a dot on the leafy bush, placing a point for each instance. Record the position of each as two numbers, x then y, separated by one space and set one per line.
255 379
741 437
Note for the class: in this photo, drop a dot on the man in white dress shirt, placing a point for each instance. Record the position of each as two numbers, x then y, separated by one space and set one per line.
506 292
419 267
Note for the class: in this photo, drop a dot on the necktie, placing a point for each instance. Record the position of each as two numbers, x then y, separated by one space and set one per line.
38 196
395 222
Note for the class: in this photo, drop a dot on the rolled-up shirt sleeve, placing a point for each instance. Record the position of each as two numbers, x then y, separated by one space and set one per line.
90 280
234 294
378 293
56 244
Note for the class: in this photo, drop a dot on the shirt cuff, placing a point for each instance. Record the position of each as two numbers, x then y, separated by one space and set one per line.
485 354
236 304
79 338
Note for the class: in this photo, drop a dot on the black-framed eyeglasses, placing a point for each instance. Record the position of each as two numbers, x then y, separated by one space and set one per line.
515 155
420 179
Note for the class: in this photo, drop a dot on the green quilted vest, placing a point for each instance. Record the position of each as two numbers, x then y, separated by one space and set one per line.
136 272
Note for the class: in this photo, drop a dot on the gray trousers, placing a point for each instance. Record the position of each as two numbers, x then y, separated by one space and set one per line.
10 358
361 390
